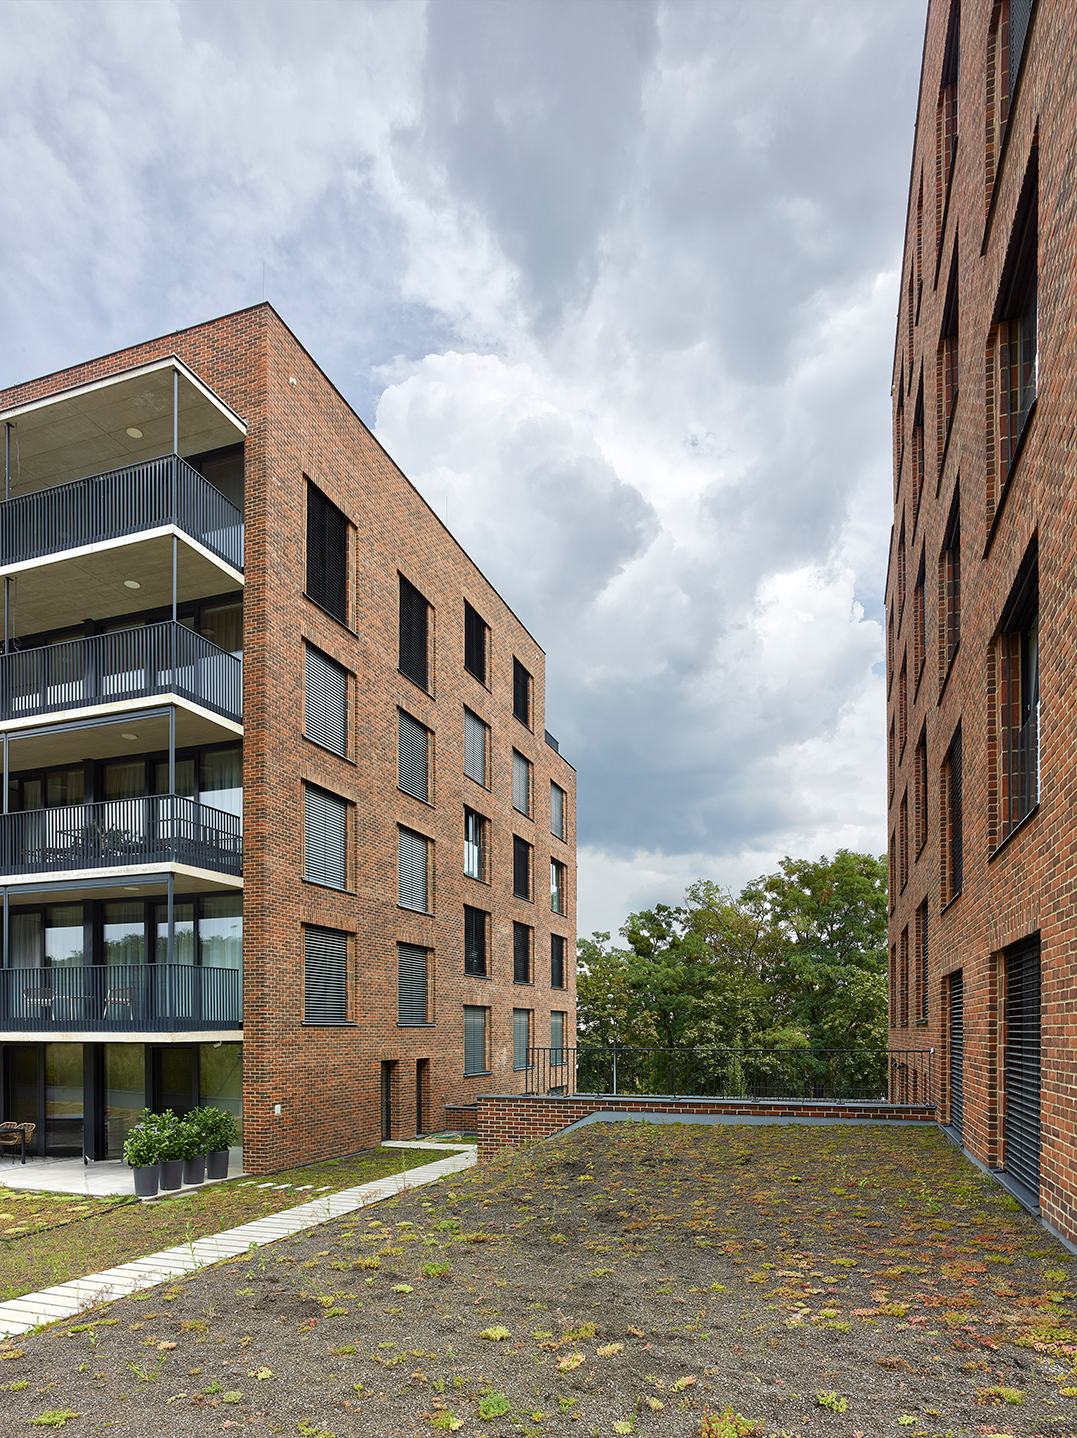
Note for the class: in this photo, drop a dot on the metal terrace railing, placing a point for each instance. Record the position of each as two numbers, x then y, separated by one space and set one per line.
117 503
159 829
120 998
129 664
830 1075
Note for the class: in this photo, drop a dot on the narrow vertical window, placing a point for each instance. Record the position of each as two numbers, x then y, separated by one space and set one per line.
903 979
413 750
557 811
557 1037
522 935
326 837
889 650
521 693
1018 342
521 783
951 834
326 701
919 622
414 634
558 899
327 554
476 748
919 772
903 707
476 922
557 961
950 588
325 982
474 845
1019 698
475 632
903 840
946 124
891 887
918 461
891 756
893 986
413 986
948 374
521 867
901 571
413 865
921 974
475 1061
521 1039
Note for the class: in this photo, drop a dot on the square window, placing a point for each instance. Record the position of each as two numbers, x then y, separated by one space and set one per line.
325 986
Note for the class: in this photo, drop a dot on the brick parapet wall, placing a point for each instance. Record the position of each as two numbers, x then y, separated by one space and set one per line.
513 1120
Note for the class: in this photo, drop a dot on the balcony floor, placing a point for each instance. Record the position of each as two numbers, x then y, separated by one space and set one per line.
98 1180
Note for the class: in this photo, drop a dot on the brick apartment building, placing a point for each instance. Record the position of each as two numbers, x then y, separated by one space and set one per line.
280 809
982 594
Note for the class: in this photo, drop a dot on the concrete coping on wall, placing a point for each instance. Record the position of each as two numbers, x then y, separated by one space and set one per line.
662 1101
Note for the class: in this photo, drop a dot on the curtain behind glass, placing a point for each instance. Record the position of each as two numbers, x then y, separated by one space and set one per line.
125 780
220 932
221 780
183 921
63 935
124 933
24 940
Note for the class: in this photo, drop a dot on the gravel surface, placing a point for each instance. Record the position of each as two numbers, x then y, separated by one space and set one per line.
627 1278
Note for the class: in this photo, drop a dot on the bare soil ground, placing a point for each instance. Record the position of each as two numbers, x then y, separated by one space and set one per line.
627 1278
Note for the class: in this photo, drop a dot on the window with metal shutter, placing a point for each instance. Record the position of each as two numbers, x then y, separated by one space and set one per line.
521 783
413 633
411 984
521 1037
474 643
474 941
521 867
1022 1130
474 845
327 702
414 739
557 961
521 693
327 554
521 953
1020 14
475 748
474 1040
557 1037
325 990
413 858
326 826
557 811
957 1054
956 834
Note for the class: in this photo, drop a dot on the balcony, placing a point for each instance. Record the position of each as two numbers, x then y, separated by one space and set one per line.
159 829
113 668
140 497
120 998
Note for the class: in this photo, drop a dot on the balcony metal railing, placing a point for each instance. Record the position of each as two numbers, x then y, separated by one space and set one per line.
834 1075
107 668
120 997
162 828
117 503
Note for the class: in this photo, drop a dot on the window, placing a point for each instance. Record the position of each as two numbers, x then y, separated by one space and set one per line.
889 650
918 460
919 622
326 832
521 953
999 90
558 898
899 428
950 589
413 987
893 986
413 752
475 632
950 822
325 986
475 929
947 373
521 867
327 554
919 772
901 571
903 707
521 1039
475 1039
946 120
1018 350
920 977
414 860
557 962
521 693
327 702
903 840
557 1037
1019 699
557 811
476 748
918 258
903 979
475 827
521 783
891 754
891 887
414 634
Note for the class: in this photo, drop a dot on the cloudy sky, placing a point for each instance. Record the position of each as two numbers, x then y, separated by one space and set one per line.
615 283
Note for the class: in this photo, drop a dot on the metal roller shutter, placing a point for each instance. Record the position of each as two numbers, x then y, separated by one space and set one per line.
521 783
327 702
413 757
326 826
557 811
521 1037
521 953
326 977
474 941
557 961
412 849
521 867
474 748
413 636
1020 14
1023 1065
411 984
327 554
474 1040
957 843
957 1054
474 643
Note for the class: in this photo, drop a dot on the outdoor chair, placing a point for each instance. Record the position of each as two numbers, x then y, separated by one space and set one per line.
122 997
39 1000
14 1135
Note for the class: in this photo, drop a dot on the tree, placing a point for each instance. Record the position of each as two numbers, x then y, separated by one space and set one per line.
607 1007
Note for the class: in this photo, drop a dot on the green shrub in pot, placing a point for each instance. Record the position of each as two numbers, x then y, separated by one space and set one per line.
151 1140
217 1126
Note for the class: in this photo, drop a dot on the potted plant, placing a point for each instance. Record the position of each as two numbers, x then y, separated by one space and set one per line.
219 1131
189 1146
171 1157
143 1149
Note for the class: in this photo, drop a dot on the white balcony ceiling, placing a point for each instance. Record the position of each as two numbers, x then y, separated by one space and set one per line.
83 431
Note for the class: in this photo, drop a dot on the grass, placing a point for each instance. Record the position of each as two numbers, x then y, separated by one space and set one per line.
48 1238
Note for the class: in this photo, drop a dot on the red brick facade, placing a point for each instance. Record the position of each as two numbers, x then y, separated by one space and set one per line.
985 522
327 1081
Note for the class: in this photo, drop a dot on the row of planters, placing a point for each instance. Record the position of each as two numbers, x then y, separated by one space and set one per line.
167 1152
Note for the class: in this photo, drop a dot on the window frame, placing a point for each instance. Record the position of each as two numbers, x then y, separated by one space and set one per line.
330 665
344 806
528 1027
523 695
410 646
322 511
557 960
477 723
523 953
476 919
559 890
402 830
405 719
427 986
523 767
482 845
519 845
470 1072
476 631
346 996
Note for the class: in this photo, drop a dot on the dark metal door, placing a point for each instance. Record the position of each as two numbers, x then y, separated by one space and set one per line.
957 1054
1022 1132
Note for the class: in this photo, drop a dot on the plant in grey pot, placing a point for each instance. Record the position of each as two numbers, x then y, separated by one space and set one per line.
143 1149
171 1153
189 1144
219 1131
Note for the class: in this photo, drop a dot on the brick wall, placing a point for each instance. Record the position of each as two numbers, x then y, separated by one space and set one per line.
327 1080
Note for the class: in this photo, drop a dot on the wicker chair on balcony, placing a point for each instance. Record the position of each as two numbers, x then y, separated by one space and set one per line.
14 1136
